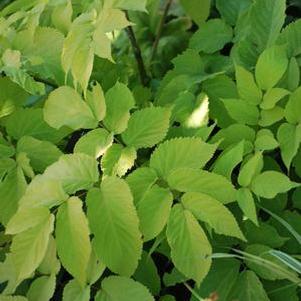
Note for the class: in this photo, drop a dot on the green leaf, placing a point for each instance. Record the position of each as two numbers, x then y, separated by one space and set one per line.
11 190
74 291
130 4
190 248
246 86
212 212
13 298
212 36
42 288
12 96
128 290
181 152
293 75
26 218
140 181
119 101
293 107
65 107
220 279
96 101
191 7
250 169
147 274
229 159
95 143
246 203
6 164
114 222
232 10
290 37
191 180
72 238
147 127
61 16
153 211
233 134
272 97
30 122
287 260
28 248
241 111
289 137
266 20
118 160
95 268
269 183
248 288
40 153
266 266
74 171
271 66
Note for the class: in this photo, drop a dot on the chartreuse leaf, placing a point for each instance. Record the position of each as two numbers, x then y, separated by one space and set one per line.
122 289
181 152
118 160
272 97
94 143
293 107
43 192
11 190
40 153
212 36
26 218
42 288
271 66
50 263
74 171
140 181
250 169
74 291
269 117
78 55
266 20
72 238
190 248
241 111
147 127
289 137
96 101
246 203
192 180
269 183
229 159
95 268
13 298
248 288
65 107
114 222
153 211
265 140
212 212
119 101
246 86
30 122
191 7
61 16
29 247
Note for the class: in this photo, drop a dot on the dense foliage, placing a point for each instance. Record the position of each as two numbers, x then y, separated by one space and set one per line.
150 150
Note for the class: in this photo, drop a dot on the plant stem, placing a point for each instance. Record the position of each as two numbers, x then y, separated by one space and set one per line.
193 292
159 30
138 56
